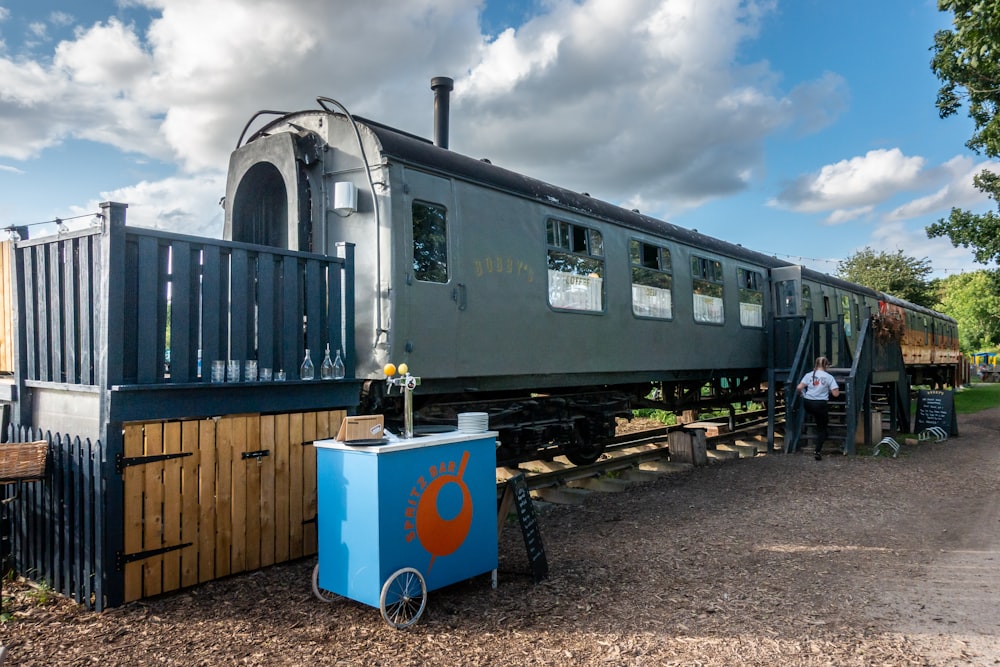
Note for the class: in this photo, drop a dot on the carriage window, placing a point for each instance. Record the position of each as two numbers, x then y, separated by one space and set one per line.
651 280
430 243
751 298
807 304
707 284
576 266
786 297
845 308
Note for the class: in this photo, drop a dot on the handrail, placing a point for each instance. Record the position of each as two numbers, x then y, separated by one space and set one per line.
857 383
794 413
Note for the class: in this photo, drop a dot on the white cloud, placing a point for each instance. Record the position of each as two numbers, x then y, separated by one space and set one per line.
61 19
654 85
188 205
958 190
859 181
672 113
668 115
895 235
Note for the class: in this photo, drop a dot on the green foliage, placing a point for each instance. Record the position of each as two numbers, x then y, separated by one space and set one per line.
668 418
41 594
894 273
973 299
967 61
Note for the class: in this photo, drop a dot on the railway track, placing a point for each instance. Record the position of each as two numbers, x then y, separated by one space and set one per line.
632 458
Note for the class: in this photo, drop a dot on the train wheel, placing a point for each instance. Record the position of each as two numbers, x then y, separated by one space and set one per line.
581 452
404 596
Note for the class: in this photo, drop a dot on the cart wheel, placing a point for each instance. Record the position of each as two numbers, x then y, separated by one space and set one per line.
321 593
404 596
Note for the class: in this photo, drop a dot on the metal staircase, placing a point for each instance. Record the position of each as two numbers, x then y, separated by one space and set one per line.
873 363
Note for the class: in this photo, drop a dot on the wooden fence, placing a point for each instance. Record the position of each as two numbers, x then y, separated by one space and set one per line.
176 303
203 499
115 329
57 525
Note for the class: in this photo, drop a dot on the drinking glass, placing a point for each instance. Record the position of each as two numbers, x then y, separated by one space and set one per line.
219 371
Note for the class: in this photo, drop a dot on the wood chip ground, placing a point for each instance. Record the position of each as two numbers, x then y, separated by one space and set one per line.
770 560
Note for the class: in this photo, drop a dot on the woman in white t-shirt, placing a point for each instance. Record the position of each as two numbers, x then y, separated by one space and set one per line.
816 388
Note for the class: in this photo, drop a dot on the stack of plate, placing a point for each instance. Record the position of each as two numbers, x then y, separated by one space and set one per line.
473 422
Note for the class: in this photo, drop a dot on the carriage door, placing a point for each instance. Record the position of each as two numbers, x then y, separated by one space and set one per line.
432 299
786 287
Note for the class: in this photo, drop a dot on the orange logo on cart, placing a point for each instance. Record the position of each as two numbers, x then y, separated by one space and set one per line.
439 511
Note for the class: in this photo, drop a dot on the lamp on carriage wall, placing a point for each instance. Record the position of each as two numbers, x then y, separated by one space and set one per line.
345 198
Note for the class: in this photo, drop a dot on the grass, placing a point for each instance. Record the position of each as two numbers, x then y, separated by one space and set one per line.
977 397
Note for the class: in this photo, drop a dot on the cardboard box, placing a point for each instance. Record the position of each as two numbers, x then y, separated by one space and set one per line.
362 427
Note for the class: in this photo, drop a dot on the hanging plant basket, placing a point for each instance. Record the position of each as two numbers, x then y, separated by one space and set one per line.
23 461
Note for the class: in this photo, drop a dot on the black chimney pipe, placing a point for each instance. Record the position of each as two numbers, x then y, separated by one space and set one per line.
442 86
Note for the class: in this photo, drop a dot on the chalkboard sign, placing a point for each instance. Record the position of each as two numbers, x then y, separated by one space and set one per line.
936 408
529 526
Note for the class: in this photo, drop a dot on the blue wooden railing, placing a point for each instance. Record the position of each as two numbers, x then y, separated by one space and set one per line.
159 307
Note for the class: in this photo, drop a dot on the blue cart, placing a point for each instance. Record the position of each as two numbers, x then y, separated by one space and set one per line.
401 518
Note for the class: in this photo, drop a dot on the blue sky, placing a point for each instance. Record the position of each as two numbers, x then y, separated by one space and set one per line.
804 129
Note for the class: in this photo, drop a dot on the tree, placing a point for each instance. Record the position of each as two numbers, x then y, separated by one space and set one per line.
967 61
893 273
973 299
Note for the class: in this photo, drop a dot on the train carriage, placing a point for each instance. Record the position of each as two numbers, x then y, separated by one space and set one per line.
554 311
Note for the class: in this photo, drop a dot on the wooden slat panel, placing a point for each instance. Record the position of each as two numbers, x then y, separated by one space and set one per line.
281 489
55 312
182 356
42 312
70 319
295 485
206 500
30 315
172 504
267 501
223 496
152 569
315 321
191 466
266 312
215 335
334 310
291 319
253 507
147 310
238 338
7 340
238 512
133 477
86 309
309 499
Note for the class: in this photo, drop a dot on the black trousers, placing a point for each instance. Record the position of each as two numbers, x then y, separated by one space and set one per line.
820 411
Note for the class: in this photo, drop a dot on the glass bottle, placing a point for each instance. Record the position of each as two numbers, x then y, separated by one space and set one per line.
307 371
338 367
326 368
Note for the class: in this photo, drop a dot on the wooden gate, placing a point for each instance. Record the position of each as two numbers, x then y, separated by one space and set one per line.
212 497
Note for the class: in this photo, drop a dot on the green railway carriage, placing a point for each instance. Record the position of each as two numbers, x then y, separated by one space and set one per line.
552 310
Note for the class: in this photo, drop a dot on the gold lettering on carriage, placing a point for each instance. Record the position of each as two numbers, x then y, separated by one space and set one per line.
503 265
